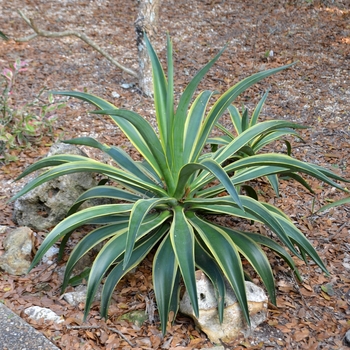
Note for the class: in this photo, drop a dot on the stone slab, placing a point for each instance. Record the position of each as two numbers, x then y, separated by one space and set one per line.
16 334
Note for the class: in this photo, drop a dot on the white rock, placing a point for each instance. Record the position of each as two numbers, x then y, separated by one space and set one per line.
37 312
48 256
234 322
127 86
74 298
79 295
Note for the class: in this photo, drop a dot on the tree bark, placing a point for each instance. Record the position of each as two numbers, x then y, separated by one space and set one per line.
146 22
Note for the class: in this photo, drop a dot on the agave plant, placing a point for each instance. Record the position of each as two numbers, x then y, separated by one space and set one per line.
165 201
241 122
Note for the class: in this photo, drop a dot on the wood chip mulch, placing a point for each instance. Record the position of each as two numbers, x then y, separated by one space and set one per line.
313 314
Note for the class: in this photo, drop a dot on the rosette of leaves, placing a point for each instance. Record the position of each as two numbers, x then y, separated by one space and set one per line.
242 122
166 200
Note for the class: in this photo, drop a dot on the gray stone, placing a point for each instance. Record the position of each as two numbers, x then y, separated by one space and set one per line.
74 298
46 205
79 295
37 313
18 251
347 338
234 322
127 86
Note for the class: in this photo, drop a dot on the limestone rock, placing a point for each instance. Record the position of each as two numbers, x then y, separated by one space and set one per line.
37 312
234 322
18 250
46 205
79 295
50 255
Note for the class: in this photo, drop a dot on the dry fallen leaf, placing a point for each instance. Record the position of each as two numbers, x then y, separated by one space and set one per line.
314 92
301 334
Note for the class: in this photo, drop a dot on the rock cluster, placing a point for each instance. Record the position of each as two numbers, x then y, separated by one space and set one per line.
233 324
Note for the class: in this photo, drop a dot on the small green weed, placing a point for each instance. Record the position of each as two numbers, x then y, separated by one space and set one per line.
21 126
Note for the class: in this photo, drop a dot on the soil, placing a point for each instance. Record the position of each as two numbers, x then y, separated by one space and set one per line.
259 35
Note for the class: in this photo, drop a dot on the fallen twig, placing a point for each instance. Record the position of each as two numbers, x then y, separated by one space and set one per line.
86 39
303 299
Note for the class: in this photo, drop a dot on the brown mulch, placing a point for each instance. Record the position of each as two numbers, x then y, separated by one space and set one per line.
315 92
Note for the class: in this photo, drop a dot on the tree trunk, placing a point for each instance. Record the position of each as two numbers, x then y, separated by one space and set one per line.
146 22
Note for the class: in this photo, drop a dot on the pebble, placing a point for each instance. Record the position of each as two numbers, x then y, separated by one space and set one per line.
127 86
